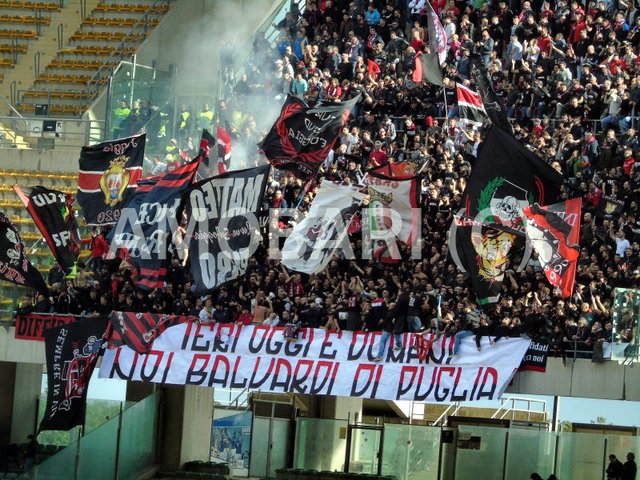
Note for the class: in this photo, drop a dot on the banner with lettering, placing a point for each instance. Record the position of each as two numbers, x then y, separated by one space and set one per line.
72 352
223 225
32 326
319 363
52 212
535 358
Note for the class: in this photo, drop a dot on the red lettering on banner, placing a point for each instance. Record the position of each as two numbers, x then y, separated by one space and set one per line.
220 365
421 396
451 371
32 326
253 383
236 370
324 374
297 382
259 332
491 383
167 368
413 371
197 372
462 396
372 382
278 384
155 358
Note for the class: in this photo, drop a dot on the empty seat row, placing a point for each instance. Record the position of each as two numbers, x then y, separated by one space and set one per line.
22 5
78 79
75 64
28 19
106 36
54 94
54 108
13 48
18 33
136 8
118 22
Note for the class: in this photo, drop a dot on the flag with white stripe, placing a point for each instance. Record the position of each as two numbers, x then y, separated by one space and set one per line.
470 107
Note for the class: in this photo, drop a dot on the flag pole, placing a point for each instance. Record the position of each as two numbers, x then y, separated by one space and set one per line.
446 107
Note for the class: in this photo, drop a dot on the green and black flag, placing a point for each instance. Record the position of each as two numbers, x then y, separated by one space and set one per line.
506 178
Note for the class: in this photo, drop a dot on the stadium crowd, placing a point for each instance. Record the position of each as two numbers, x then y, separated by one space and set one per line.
569 76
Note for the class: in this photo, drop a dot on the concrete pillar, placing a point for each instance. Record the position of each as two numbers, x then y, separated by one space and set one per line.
341 408
187 418
7 379
138 391
27 386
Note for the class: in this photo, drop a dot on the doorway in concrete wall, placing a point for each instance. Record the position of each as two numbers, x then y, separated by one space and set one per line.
271 445
364 449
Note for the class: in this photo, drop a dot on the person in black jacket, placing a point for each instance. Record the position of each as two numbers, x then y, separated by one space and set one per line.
614 469
629 469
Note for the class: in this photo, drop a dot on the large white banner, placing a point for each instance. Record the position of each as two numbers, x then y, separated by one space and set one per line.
319 363
314 240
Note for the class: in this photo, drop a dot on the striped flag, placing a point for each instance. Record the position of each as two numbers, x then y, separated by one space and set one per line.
471 109
145 226
138 330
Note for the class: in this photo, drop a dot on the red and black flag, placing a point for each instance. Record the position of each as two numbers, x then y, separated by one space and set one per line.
72 352
207 141
224 151
15 267
506 178
52 211
470 108
303 136
107 179
138 330
493 104
144 230
554 233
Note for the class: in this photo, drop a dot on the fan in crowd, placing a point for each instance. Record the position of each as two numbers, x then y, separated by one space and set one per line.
569 75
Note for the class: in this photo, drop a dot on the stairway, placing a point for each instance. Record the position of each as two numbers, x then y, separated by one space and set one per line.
77 65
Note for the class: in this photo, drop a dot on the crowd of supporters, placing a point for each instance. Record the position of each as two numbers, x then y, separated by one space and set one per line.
568 74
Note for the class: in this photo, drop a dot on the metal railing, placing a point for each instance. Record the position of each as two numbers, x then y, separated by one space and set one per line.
509 407
155 11
24 132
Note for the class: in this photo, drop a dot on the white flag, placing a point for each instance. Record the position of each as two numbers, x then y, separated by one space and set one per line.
315 239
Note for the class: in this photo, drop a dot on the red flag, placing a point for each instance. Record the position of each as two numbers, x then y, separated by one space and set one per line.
374 68
224 150
554 233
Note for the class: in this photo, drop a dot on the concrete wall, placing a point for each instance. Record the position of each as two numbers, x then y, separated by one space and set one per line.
581 378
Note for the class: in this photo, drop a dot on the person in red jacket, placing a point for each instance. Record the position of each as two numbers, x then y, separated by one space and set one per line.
99 248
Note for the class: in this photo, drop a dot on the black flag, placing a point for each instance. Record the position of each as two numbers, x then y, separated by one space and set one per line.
108 176
493 104
431 72
303 136
207 144
506 178
223 229
52 211
72 351
15 267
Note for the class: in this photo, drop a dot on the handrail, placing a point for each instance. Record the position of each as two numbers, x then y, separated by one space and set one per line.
36 64
119 53
443 416
512 401
11 107
60 36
